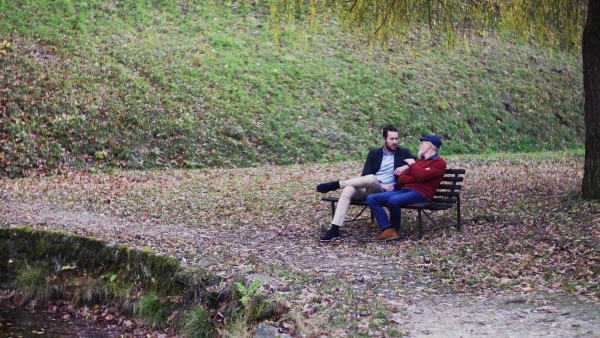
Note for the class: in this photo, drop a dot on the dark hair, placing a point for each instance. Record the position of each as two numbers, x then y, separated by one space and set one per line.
387 128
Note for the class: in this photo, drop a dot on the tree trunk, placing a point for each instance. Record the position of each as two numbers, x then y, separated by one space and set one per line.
590 186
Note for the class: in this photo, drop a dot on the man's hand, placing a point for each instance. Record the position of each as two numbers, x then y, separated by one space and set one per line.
387 187
409 161
399 170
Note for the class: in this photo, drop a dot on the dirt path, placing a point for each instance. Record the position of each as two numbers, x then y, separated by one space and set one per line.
418 309
532 315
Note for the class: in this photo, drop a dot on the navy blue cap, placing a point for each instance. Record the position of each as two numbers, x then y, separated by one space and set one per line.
434 139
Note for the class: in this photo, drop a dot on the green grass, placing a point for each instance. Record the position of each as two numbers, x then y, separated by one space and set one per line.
31 281
36 284
196 323
102 291
155 310
143 84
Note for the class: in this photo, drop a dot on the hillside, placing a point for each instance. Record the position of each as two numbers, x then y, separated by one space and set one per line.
143 84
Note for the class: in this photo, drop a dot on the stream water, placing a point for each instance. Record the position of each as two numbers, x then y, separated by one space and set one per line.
19 322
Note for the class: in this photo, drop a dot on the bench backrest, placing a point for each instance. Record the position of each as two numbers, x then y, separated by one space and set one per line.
448 192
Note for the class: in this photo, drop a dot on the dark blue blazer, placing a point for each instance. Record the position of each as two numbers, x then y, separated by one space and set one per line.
373 163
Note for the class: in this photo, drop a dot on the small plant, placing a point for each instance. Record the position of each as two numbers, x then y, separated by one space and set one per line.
569 287
247 292
111 277
196 323
393 332
100 155
4 47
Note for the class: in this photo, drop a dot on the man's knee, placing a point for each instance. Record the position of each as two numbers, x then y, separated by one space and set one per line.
372 200
348 192
397 202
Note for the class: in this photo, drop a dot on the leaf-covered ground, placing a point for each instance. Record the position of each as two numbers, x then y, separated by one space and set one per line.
526 231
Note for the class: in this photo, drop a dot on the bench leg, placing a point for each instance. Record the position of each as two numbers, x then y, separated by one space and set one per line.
356 218
458 218
332 209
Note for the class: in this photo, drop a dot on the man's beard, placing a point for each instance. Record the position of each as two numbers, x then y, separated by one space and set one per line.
389 149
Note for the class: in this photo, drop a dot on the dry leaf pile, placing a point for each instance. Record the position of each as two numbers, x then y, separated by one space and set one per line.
525 228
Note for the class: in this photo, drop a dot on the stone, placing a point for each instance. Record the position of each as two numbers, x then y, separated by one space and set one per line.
265 331
204 262
248 279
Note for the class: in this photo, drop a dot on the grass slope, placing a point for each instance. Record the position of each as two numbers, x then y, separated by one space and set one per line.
142 84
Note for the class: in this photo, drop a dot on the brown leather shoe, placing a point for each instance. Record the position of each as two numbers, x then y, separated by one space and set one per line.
387 235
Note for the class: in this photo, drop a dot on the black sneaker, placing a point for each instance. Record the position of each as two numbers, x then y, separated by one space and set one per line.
327 187
331 235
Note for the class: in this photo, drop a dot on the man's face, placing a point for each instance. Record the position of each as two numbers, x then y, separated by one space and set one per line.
391 141
424 147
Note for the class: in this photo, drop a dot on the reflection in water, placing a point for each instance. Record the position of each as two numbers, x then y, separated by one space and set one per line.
19 322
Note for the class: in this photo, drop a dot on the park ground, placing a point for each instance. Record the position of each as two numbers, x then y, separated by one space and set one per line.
525 265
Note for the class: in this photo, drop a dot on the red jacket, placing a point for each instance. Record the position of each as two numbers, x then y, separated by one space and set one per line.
423 176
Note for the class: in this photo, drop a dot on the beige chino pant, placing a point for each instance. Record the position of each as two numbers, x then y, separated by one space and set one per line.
357 188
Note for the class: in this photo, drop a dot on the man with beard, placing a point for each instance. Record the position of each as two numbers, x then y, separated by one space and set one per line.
381 170
415 185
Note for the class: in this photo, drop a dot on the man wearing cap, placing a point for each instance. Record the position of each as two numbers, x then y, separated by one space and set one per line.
417 184
381 170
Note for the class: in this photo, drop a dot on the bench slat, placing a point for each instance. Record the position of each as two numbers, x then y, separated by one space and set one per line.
453 178
430 206
352 202
447 193
444 200
450 186
449 198
456 171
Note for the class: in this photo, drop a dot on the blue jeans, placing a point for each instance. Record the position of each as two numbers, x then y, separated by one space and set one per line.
394 200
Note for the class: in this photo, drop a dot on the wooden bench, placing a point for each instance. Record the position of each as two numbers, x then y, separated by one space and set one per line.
446 197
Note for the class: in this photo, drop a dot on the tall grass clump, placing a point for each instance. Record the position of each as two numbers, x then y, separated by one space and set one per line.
120 296
156 310
34 283
106 292
92 292
197 324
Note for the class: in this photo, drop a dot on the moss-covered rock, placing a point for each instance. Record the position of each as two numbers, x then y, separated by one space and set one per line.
90 271
54 250
261 307
194 281
260 304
